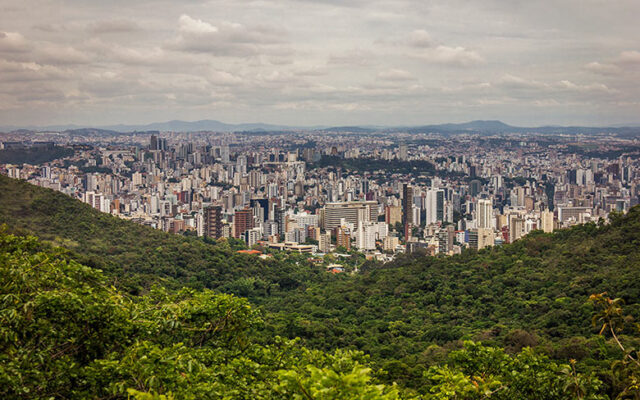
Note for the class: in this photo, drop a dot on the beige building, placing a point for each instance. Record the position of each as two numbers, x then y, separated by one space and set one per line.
480 238
390 243
393 215
546 221
324 242
516 228
351 211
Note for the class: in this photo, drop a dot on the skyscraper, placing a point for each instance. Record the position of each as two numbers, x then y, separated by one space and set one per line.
153 144
484 214
407 209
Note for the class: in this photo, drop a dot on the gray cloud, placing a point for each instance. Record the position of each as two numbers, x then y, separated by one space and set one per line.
319 62
113 26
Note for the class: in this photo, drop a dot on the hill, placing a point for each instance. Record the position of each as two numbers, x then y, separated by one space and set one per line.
135 256
408 314
64 333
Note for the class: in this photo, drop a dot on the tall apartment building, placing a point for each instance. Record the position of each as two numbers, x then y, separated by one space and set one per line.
516 228
435 206
324 242
242 221
392 214
407 209
343 238
213 222
484 214
546 221
366 236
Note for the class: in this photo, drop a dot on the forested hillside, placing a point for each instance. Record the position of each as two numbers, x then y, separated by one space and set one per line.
408 315
65 333
135 256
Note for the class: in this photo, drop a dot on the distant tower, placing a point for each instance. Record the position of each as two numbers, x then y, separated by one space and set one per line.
153 145
403 153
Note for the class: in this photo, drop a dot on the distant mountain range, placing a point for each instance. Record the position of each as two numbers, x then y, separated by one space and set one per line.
169 126
479 127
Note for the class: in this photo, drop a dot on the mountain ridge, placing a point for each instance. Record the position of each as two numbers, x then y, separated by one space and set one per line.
475 126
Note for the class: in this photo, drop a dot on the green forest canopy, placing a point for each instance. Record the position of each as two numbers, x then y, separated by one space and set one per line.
407 315
65 333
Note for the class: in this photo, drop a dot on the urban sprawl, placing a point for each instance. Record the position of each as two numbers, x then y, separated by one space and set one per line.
338 192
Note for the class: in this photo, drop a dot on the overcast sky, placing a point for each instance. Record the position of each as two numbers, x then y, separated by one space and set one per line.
328 62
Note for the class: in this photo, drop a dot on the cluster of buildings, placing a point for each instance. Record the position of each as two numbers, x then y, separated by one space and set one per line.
273 190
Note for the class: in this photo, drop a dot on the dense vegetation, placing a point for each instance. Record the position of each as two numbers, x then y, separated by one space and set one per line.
33 156
408 315
65 333
415 167
135 256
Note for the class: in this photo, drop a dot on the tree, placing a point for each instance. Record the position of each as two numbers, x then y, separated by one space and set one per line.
609 318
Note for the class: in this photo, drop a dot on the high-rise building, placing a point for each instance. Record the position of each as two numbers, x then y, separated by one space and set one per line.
407 209
516 228
279 217
255 178
435 206
392 214
403 153
224 154
261 208
546 220
352 211
324 242
343 238
153 145
366 236
484 214
91 182
242 221
475 186
213 222
446 238
252 236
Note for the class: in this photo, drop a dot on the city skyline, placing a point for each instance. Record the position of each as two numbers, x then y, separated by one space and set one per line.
380 193
307 63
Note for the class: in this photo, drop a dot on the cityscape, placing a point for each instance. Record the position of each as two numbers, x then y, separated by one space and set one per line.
319 192
320 200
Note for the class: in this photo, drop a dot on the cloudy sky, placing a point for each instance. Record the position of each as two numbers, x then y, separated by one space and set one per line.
329 62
